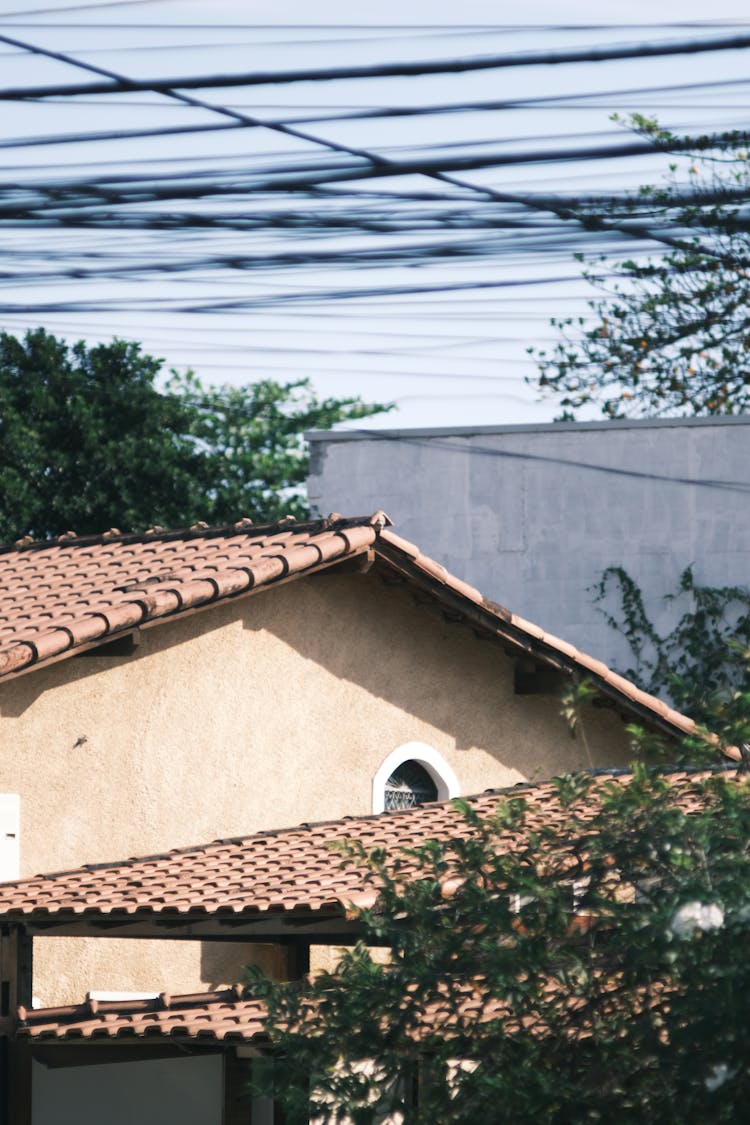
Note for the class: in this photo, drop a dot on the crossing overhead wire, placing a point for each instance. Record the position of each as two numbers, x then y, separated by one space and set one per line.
378 294
372 158
375 163
312 172
378 165
25 12
119 84
409 28
267 300
563 101
390 151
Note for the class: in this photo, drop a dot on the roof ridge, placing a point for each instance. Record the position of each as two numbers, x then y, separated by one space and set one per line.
162 1001
198 530
219 563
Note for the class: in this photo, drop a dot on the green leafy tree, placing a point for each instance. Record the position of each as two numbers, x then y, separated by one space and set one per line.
88 441
254 457
577 960
669 336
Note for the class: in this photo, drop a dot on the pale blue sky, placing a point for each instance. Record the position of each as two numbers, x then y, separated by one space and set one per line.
446 358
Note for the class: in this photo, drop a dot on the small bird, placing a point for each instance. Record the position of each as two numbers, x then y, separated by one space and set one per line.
80 741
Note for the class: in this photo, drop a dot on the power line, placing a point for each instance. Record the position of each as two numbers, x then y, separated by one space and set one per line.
379 165
377 70
118 204
410 28
515 455
385 112
76 8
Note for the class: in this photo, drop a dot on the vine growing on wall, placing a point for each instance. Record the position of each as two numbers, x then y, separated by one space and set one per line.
702 664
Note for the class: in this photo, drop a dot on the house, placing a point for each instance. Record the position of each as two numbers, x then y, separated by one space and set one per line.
534 514
161 688
187 1058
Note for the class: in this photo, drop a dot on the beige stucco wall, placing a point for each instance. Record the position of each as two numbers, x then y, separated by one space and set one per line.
258 714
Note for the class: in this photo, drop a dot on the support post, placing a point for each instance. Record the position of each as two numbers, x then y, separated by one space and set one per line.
16 989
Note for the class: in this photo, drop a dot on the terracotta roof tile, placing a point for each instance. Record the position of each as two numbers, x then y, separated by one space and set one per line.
470 592
404 545
291 870
452 1010
226 1016
544 645
57 596
532 630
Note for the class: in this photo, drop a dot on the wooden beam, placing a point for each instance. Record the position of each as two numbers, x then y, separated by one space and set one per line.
352 564
18 956
18 1090
333 929
238 1100
124 644
532 678
297 957
87 1052
499 624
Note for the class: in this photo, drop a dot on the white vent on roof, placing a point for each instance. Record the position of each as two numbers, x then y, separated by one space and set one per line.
10 826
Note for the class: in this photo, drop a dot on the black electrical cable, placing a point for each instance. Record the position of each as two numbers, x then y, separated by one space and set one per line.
378 70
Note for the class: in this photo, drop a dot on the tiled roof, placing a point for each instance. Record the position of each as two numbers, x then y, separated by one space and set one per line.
225 1016
61 597
231 1016
287 872
58 597
533 639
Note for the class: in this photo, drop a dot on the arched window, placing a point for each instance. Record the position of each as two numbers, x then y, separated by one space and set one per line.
409 785
411 775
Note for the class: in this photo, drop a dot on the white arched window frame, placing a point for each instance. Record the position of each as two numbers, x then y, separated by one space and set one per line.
436 766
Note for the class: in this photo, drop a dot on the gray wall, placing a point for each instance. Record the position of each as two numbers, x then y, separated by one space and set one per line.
188 1091
532 515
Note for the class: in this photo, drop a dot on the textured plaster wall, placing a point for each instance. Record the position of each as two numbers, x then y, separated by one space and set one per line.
260 714
531 517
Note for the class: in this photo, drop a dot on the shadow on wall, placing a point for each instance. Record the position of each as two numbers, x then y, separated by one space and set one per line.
17 695
377 637
223 962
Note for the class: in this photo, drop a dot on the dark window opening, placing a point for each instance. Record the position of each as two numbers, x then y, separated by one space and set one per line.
409 785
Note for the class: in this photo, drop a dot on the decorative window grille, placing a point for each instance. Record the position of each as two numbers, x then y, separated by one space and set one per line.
410 784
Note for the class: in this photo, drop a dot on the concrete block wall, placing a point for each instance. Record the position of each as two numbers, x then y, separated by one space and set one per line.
532 515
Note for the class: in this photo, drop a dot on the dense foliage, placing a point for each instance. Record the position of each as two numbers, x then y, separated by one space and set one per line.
88 442
577 962
668 336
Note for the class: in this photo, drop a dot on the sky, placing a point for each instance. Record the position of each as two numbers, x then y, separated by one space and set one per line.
452 354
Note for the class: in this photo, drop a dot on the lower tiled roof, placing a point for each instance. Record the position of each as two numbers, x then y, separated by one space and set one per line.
287 872
226 1016
457 1008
